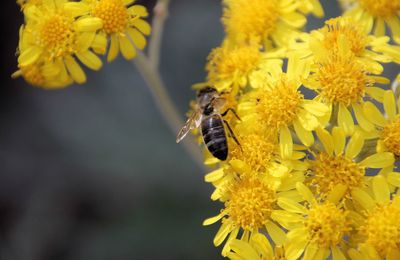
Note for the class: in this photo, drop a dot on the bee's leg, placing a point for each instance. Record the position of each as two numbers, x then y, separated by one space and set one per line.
232 134
233 111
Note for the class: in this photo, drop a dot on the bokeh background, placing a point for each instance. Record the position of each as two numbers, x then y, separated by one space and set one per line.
92 171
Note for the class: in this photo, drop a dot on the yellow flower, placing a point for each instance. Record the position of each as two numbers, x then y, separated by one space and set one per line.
338 162
249 203
342 81
230 67
316 229
257 248
379 230
387 126
271 22
277 102
375 15
122 23
55 37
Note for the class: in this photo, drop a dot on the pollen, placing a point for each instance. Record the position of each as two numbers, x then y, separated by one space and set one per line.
327 225
249 21
56 35
232 64
390 136
381 8
350 30
255 150
382 227
251 204
342 80
279 104
329 171
114 15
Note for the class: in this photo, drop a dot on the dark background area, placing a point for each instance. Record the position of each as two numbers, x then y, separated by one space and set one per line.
92 171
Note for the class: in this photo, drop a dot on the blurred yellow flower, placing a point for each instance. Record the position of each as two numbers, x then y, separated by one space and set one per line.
375 15
269 22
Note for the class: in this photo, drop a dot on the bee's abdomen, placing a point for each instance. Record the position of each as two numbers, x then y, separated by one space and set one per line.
214 137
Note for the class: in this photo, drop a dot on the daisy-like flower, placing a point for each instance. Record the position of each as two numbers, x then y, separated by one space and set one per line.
316 229
229 67
378 226
123 24
272 22
277 102
387 127
342 81
249 203
344 31
337 162
257 248
56 37
376 15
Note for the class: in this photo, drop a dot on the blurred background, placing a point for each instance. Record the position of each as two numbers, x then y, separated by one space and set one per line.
93 172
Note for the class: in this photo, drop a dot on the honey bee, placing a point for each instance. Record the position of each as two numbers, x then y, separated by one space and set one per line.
207 116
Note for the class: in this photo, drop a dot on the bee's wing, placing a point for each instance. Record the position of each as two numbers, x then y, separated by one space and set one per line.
193 121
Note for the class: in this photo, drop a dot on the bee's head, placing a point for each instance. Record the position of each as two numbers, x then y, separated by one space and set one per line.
205 96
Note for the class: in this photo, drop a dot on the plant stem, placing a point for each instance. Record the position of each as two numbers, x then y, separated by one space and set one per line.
148 68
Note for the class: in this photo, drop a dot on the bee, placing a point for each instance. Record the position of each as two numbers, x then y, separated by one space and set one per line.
207 116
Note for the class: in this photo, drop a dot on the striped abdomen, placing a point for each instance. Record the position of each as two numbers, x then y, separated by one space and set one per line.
214 136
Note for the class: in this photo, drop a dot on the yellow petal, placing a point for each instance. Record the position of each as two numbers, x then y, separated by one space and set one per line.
339 140
305 192
337 193
355 255
374 115
276 233
295 249
138 10
294 19
286 142
389 104
138 39
212 220
355 145
316 108
142 26
361 118
363 198
345 120
90 60
75 70
378 160
244 249
376 93
127 49
380 189
337 254
291 206
29 56
214 175
306 137
326 140
394 178
114 48
222 233
310 252
89 24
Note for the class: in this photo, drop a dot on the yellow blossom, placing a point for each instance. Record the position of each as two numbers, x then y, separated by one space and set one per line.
56 38
272 22
375 15
379 232
122 24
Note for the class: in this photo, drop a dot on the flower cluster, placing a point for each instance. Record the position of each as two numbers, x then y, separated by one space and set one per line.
59 36
313 173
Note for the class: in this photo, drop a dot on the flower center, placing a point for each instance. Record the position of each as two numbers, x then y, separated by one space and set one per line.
279 104
382 227
351 31
232 64
56 35
342 80
251 204
329 171
114 15
381 8
247 21
255 150
327 224
390 136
